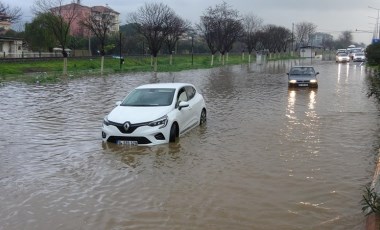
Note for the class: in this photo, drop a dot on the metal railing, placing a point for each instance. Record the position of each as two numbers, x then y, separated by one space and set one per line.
30 54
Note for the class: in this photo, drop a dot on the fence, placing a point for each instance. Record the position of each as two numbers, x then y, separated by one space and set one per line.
74 53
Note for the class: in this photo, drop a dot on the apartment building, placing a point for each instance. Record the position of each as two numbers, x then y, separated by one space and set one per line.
82 12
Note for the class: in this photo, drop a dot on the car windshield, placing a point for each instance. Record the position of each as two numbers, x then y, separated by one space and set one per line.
149 97
302 71
342 54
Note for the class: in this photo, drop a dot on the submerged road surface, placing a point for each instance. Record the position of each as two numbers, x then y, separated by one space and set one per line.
268 157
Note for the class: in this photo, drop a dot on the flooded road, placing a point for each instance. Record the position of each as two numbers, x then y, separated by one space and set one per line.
268 157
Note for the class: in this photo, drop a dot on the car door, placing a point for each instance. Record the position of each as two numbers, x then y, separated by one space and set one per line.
195 105
183 115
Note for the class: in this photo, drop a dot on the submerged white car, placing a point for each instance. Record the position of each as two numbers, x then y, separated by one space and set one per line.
155 114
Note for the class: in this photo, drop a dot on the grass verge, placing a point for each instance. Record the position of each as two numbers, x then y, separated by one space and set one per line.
50 70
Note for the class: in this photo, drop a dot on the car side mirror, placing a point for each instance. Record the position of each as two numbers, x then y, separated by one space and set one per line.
287 74
316 73
118 103
183 104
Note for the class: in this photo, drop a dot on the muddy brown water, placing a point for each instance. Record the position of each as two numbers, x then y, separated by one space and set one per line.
268 157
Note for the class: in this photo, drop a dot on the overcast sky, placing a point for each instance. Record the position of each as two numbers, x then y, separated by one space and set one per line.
330 16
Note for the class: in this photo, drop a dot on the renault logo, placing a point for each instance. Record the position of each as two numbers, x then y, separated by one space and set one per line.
126 126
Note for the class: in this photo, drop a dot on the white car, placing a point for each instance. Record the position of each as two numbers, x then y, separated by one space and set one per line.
155 114
358 57
342 57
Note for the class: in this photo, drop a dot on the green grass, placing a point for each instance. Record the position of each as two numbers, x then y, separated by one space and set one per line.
44 71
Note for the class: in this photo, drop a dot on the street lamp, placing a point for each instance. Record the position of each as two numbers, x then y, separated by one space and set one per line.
377 22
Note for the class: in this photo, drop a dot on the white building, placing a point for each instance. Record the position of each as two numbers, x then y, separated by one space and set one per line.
307 52
10 47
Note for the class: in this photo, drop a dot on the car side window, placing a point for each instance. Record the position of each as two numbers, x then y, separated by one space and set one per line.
190 92
182 96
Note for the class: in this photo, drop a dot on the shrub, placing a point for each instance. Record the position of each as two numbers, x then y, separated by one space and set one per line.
373 54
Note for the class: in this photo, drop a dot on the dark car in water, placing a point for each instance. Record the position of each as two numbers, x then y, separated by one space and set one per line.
302 76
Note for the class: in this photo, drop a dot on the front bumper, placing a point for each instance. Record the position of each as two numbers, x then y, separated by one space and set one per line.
143 135
343 60
303 84
359 59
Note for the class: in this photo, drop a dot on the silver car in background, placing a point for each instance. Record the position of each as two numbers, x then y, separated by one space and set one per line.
358 57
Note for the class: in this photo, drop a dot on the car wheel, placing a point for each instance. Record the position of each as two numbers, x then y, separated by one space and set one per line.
173 133
203 117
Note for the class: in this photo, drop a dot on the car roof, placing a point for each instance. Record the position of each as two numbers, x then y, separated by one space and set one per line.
297 66
164 85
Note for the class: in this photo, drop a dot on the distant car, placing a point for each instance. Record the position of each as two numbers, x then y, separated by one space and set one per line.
155 114
358 57
353 51
342 57
341 51
303 76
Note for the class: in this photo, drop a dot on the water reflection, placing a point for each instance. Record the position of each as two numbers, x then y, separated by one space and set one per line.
301 113
343 71
154 78
132 155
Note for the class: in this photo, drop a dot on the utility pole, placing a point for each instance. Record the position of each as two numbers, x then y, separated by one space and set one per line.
376 35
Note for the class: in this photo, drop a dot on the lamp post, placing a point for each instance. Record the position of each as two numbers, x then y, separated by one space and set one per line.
374 31
377 22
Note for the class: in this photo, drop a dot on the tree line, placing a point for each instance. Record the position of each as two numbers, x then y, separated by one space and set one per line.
155 28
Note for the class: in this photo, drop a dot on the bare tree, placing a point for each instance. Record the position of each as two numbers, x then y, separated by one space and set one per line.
328 43
178 28
251 24
9 14
221 27
345 38
153 22
100 24
58 19
270 38
281 37
207 30
303 32
273 38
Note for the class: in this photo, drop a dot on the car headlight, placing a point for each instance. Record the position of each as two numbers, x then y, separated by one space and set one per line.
313 81
292 81
162 122
105 121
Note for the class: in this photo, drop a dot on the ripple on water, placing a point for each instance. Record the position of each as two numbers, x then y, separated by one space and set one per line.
300 157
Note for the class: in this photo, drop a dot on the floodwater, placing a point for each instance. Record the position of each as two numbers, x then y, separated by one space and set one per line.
268 157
